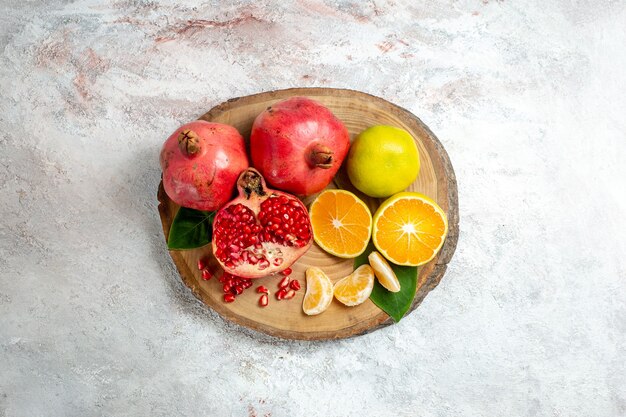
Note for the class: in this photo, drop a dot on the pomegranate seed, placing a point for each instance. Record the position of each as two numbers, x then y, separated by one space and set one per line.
264 264
283 283
238 289
206 274
247 283
295 285
201 263
290 294
280 294
229 298
226 287
264 300
287 271
262 289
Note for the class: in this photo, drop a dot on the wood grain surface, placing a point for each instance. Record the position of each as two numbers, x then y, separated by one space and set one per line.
285 319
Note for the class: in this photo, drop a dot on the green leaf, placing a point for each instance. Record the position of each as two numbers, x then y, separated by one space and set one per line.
396 304
190 229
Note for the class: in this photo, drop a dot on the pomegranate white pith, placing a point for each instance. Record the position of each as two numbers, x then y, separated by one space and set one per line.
262 231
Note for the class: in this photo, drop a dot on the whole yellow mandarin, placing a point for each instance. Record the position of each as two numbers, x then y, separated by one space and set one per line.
383 160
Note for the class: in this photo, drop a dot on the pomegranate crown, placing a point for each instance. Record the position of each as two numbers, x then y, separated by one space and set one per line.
251 182
188 142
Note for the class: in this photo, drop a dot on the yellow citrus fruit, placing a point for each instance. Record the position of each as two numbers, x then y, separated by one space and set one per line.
409 229
356 287
382 161
383 272
319 292
342 223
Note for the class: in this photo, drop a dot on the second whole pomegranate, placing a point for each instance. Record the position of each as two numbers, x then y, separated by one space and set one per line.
298 145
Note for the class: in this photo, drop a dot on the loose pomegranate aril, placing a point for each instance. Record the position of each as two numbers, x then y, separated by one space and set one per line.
238 289
280 294
283 283
201 263
289 295
287 271
295 285
229 298
206 274
226 288
253 245
264 300
262 289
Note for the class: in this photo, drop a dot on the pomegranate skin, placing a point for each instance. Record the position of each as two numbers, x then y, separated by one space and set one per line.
298 145
201 162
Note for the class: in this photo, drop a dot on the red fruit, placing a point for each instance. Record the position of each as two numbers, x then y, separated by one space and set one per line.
298 145
287 271
261 232
206 274
295 285
289 295
263 300
201 162
283 282
262 289
202 263
229 298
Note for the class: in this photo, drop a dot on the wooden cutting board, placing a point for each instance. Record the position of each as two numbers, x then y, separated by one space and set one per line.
285 319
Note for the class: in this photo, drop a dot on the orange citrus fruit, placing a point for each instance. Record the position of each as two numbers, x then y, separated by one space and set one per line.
342 223
383 272
319 292
356 287
409 229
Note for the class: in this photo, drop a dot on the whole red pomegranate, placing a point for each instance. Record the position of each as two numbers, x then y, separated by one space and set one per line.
201 162
298 145
260 232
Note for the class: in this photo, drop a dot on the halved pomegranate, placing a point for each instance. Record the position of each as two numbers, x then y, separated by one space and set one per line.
262 231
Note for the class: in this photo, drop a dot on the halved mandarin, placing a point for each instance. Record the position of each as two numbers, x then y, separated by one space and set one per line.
356 287
409 229
319 292
341 222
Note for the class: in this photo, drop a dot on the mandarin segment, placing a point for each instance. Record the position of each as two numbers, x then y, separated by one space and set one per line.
356 287
341 223
319 292
383 271
409 229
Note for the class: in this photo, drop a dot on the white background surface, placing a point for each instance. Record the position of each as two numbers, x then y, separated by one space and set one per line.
528 98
